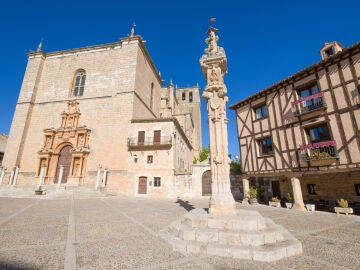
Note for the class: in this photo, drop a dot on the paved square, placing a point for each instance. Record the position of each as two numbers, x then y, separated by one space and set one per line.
113 232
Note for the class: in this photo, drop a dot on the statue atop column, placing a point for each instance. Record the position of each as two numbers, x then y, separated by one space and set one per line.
214 67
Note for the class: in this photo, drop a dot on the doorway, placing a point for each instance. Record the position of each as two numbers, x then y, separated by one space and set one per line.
65 160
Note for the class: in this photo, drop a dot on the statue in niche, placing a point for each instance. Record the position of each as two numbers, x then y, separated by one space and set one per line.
47 142
213 77
70 122
81 141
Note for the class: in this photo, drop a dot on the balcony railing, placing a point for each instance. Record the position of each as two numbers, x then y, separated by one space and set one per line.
309 104
162 141
319 151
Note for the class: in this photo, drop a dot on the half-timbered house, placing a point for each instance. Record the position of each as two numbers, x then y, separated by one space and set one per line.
304 131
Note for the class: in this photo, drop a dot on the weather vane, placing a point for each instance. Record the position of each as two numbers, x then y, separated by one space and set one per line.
212 20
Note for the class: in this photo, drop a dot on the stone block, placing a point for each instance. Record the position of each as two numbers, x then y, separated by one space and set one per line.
207 235
294 249
220 223
252 238
195 247
219 250
239 252
269 253
178 245
270 237
187 233
230 238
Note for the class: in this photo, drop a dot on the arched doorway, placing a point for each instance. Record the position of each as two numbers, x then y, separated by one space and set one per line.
65 160
206 183
142 185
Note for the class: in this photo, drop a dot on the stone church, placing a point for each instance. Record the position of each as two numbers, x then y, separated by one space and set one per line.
100 116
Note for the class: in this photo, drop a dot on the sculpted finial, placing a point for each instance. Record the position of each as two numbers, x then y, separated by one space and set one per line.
39 48
132 30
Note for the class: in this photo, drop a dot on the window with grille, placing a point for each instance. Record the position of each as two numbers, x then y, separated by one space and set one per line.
157 181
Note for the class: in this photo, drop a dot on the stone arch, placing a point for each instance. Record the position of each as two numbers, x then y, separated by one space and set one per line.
206 183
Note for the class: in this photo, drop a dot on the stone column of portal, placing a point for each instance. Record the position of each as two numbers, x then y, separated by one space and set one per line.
42 174
2 174
246 188
104 178
98 177
214 67
11 177
298 198
61 171
15 176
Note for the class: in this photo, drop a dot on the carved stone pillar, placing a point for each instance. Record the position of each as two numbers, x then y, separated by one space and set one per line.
42 175
214 67
61 171
246 188
15 176
298 198
2 174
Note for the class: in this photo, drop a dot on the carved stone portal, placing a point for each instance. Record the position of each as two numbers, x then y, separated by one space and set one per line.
70 134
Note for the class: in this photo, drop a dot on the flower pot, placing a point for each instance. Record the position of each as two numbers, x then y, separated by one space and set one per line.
310 207
274 204
341 210
253 200
39 192
289 205
322 162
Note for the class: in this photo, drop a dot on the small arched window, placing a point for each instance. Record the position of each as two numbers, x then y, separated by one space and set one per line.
183 96
79 83
190 97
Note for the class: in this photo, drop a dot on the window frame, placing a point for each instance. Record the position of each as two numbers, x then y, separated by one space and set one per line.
78 85
311 188
157 181
357 189
263 105
320 139
150 159
260 145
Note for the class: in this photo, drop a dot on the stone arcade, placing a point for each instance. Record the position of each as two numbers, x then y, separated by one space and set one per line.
225 230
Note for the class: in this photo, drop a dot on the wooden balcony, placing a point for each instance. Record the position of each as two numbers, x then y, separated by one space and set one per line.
150 143
319 154
310 106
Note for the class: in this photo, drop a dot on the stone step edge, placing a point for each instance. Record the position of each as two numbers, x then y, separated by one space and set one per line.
266 253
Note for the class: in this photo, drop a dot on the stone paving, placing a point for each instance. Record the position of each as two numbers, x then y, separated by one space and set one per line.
89 230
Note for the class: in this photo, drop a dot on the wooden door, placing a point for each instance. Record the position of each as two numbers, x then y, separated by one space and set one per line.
206 183
141 137
65 160
157 136
142 185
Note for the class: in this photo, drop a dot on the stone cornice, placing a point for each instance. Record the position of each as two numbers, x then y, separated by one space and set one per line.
299 75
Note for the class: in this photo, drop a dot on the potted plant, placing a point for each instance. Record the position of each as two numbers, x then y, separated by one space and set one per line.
344 207
39 191
275 202
253 193
289 200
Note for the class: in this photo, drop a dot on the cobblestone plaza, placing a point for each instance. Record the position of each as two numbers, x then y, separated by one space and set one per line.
89 230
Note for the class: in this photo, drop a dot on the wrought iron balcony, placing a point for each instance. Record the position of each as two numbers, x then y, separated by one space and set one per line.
309 104
320 153
150 142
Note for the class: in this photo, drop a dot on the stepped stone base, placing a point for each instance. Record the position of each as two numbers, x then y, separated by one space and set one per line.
247 235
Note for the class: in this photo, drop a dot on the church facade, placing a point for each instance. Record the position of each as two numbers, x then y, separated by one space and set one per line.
100 116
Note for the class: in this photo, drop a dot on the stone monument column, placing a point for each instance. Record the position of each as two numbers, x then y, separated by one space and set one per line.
214 67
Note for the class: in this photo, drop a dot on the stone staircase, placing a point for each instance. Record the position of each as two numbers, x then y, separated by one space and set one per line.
247 235
51 191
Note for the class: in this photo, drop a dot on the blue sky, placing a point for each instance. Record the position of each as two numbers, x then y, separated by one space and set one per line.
265 41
